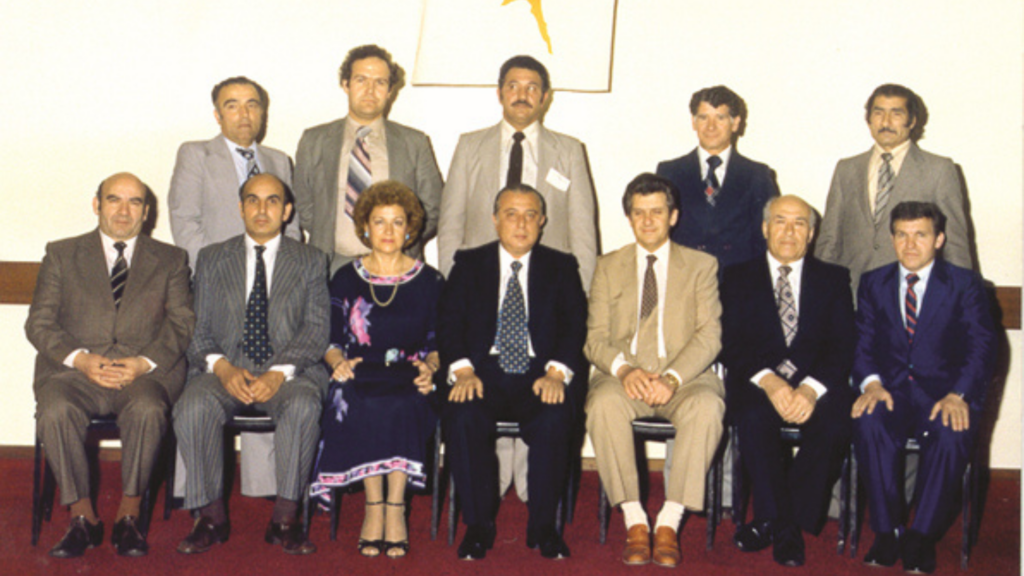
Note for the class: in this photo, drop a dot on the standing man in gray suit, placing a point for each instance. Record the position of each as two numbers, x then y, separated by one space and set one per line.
262 328
203 199
111 318
338 160
203 202
855 229
519 150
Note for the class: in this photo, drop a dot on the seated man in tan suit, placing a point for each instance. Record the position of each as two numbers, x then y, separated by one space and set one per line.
652 334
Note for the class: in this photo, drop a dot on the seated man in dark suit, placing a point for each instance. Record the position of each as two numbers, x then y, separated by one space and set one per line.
720 193
111 318
924 358
262 328
512 326
788 334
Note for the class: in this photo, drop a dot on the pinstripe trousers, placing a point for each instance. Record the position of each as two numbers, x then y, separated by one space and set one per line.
199 418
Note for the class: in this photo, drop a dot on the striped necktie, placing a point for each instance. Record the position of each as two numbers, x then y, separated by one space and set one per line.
910 304
885 183
119 274
359 174
251 168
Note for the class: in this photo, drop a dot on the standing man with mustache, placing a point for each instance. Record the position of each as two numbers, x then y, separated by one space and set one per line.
855 229
338 160
519 150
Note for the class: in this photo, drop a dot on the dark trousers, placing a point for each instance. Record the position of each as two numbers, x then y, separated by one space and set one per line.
879 442
470 437
800 494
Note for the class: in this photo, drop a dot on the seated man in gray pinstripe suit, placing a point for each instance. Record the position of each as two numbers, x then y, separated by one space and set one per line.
262 327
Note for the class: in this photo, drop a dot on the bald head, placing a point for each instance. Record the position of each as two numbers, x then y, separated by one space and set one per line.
265 205
788 227
120 203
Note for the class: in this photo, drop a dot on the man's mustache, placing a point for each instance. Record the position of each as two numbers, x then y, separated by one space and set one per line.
523 102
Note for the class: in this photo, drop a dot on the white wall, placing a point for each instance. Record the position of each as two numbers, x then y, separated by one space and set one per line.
91 89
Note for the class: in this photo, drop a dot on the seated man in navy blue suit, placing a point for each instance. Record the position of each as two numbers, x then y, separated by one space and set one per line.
720 193
923 361
512 324
788 336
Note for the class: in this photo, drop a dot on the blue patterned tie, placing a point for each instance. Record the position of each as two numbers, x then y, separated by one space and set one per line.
256 342
513 355
711 185
786 303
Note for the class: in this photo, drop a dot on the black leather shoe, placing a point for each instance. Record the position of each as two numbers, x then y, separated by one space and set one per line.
128 539
918 553
204 535
291 537
550 543
885 551
478 540
788 549
80 537
754 537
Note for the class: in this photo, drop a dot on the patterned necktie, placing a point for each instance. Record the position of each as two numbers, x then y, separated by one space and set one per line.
359 175
786 303
513 356
515 161
711 185
649 297
256 342
251 168
885 182
119 274
910 305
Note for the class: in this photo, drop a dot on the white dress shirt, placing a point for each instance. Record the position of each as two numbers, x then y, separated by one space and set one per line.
899 154
241 164
530 153
722 168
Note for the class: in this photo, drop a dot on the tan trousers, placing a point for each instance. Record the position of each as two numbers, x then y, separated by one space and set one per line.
696 410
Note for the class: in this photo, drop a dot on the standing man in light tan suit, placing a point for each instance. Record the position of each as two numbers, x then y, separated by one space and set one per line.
111 318
653 332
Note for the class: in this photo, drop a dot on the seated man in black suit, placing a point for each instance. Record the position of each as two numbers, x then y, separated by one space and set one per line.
512 324
788 335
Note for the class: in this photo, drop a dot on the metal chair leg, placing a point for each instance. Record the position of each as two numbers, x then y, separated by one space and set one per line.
602 512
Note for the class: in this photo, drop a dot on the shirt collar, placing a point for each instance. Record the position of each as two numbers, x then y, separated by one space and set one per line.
898 153
505 259
271 245
109 250
662 252
376 128
923 274
232 145
796 268
531 133
704 155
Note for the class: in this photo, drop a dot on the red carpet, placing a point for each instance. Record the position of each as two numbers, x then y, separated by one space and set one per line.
997 552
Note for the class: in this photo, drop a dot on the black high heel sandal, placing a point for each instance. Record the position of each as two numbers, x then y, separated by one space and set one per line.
404 544
378 546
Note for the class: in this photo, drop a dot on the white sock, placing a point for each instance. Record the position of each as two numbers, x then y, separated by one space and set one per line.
634 514
671 514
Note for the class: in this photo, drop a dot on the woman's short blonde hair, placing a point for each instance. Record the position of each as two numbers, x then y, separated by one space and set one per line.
388 193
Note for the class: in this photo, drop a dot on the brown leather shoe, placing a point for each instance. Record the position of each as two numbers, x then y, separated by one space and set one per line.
204 535
666 547
638 545
290 537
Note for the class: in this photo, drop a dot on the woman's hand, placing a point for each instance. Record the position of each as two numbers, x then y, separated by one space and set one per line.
425 381
342 368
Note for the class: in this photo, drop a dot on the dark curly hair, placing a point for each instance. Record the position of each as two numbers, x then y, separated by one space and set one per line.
388 193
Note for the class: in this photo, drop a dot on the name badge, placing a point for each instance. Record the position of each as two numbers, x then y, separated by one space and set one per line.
556 179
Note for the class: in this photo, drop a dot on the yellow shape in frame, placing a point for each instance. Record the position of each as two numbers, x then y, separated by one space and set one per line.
538 13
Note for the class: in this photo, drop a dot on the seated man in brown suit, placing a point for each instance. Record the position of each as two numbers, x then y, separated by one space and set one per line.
652 334
111 318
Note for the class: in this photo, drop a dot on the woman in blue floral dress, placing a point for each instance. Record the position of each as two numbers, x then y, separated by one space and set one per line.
378 421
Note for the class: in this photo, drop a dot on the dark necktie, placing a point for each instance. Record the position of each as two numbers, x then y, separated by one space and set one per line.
787 304
119 274
885 183
251 168
711 185
649 297
515 161
513 355
359 174
256 342
911 306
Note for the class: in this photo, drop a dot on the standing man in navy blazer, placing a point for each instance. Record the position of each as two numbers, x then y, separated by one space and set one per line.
923 361
511 328
111 318
263 315
855 230
203 199
788 335
325 163
719 193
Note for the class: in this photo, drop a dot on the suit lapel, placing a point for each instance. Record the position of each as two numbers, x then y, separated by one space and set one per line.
936 295
911 174
490 287
547 156
223 168
490 160
674 295
398 156
93 270
890 287
142 266
234 282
